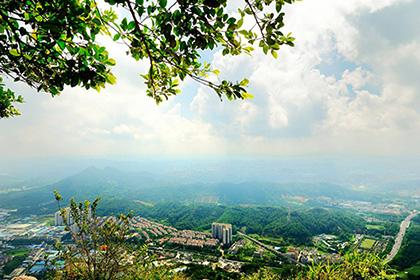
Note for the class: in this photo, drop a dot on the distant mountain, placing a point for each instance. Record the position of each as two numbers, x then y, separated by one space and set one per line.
147 187
297 225
9 182
88 184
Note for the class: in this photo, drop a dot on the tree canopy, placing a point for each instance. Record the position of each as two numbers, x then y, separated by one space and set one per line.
352 266
50 44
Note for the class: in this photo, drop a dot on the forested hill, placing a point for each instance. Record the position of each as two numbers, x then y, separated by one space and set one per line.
408 257
297 226
110 182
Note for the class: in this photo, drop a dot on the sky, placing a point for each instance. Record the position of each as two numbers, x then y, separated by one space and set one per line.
350 86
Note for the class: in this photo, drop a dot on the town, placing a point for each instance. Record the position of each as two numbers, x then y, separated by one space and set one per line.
27 245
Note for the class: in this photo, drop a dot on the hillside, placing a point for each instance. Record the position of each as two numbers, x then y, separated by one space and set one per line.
296 226
110 182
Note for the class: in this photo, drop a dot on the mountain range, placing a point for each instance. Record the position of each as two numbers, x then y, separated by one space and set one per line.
145 187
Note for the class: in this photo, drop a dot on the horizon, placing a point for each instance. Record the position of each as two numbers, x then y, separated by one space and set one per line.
228 140
369 171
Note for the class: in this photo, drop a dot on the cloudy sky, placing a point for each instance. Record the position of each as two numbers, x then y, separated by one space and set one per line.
351 86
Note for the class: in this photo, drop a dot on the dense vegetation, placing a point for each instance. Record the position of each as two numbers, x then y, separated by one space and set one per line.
131 186
408 258
199 272
13 263
354 266
101 251
296 226
53 44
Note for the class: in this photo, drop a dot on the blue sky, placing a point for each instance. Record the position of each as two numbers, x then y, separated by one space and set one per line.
349 87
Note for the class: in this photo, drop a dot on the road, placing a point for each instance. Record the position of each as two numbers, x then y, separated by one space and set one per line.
400 236
269 248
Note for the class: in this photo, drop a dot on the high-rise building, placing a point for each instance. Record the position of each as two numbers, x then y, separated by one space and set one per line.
59 219
67 219
223 232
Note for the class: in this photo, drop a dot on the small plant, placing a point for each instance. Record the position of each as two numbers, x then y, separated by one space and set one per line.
354 266
100 249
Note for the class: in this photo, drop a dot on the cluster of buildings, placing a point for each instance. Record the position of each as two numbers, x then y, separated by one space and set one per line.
37 261
311 255
4 259
329 243
146 229
192 238
40 257
17 238
222 232
234 249
4 213
366 206
62 218
30 230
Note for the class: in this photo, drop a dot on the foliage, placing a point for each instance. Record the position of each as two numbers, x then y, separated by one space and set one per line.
367 243
100 248
297 227
408 254
7 100
30 241
198 272
121 189
412 273
49 44
263 274
121 197
103 251
13 263
354 266
383 228
18 252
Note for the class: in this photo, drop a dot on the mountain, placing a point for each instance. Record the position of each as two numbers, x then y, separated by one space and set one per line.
147 187
88 184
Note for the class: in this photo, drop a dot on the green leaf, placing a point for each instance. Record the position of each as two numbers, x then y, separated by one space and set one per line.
274 54
116 37
111 61
14 52
247 95
110 78
244 82
265 49
239 23
61 44
131 25
162 3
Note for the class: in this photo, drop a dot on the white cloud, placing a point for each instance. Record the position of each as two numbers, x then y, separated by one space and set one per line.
357 78
298 104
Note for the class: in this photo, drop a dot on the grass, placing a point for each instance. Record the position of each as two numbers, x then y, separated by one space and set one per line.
376 227
273 241
367 243
414 270
18 252
411 272
48 220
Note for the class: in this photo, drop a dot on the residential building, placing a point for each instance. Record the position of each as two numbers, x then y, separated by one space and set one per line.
223 232
67 219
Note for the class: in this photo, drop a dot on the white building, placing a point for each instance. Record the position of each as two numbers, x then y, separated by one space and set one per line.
223 232
59 219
